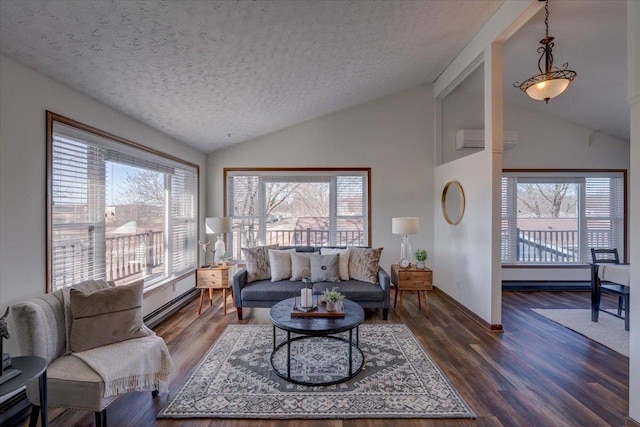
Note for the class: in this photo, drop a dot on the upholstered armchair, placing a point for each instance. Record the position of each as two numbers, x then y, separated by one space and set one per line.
42 329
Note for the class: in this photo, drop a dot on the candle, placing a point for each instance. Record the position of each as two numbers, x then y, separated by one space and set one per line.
306 296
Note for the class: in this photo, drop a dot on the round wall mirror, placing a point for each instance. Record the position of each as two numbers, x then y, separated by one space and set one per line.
453 202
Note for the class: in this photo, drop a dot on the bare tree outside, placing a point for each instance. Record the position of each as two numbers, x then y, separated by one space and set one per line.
547 200
142 187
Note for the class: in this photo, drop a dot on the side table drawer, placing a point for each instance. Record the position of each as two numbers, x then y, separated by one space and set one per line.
212 278
416 279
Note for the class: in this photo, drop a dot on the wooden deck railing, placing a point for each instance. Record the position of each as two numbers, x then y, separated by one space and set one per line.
307 237
125 256
133 253
556 246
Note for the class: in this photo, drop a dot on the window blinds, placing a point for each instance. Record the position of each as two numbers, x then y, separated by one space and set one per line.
600 222
78 175
77 212
184 189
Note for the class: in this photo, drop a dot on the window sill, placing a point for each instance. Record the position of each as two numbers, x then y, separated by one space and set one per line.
156 287
563 266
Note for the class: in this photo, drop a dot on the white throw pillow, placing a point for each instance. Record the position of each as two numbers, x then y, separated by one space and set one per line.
343 260
299 262
280 262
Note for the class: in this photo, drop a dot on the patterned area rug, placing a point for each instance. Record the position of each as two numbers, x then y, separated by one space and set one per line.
235 379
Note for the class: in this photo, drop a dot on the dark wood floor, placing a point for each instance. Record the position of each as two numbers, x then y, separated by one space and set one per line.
536 373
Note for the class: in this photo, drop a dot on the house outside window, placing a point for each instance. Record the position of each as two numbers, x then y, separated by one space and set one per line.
316 207
555 217
116 210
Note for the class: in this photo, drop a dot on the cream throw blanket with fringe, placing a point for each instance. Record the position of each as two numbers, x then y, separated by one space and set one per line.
131 365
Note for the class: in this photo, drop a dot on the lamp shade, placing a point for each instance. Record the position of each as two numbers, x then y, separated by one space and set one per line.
547 89
217 225
404 225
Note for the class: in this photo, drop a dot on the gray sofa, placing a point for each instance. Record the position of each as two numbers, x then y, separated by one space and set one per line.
265 293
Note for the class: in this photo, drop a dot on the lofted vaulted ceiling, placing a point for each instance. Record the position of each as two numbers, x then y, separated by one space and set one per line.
201 70
215 73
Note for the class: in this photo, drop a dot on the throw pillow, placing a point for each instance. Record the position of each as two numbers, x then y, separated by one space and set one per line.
299 263
324 268
343 260
106 316
85 286
257 260
364 264
280 264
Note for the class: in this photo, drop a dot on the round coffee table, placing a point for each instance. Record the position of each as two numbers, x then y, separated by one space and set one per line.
313 327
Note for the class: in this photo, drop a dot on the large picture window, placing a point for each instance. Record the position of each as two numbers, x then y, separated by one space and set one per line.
318 207
116 210
555 217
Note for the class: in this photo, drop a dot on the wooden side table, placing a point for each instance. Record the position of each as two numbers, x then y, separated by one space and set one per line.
214 278
411 279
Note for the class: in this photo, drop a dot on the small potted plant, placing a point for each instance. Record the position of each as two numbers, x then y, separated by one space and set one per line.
225 258
331 297
421 257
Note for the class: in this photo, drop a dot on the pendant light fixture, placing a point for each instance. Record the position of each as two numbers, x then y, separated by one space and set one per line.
553 80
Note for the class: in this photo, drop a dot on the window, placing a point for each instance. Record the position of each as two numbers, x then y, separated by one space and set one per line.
556 217
318 207
116 210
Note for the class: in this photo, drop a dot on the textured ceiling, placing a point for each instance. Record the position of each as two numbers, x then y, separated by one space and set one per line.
203 70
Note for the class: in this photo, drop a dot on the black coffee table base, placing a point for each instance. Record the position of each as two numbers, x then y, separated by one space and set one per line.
287 376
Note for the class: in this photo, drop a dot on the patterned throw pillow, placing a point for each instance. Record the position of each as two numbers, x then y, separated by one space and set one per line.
300 265
324 268
257 260
364 264
343 260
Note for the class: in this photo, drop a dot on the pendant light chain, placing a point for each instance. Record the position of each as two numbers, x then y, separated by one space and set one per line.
546 19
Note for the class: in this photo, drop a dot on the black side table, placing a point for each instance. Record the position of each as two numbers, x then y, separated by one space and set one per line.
32 367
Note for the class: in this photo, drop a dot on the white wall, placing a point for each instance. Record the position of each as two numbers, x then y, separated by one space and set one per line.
24 97
463 265
633 59
391 135
546 142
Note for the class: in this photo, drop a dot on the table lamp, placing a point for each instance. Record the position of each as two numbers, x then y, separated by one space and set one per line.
406 226
218 225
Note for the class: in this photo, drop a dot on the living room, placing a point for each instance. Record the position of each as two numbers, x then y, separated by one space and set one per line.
392 134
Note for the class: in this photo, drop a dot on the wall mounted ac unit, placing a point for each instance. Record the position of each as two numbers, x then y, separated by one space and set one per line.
474 138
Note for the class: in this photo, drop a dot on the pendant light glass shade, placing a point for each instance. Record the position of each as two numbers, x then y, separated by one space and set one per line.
547 89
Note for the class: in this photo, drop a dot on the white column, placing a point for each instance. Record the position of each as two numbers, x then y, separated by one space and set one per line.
493 135
633 64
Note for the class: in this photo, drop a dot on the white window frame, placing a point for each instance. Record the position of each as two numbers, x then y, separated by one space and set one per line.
328 175
577 176
137 155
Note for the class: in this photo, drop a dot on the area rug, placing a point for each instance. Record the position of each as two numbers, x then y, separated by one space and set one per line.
235 379
608 330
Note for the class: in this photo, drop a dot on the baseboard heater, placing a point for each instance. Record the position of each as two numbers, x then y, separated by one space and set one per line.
155 317
545 285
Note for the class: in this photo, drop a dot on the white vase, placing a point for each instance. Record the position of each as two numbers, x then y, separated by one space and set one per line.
420 264
331 306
